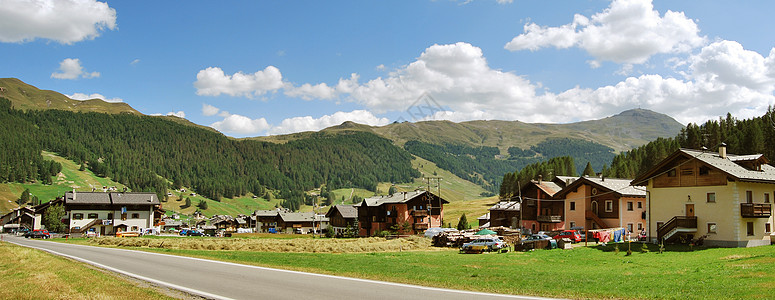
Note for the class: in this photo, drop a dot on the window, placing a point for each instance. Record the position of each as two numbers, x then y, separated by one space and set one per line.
704 170
766 198
77 216
671 173
748 197
640 226
135 216
92 216
134 228
629 206
711 197
609 206
711 227
573 224
110 215
640 204
123 216
749 228
629 227
767 228
687 172
573 205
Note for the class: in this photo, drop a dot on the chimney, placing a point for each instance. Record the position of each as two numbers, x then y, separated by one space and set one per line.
73 194
404 195
540 178
722 150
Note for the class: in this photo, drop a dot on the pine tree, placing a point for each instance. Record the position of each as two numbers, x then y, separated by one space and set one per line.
463 223
24 198
588 170
52 218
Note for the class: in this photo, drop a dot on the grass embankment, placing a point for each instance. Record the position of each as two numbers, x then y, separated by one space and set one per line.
584 272
33 274
308 245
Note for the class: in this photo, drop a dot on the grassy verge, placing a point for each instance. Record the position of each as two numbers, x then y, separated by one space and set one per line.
584 272
33 274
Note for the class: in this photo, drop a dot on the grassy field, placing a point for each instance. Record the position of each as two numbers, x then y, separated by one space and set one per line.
473 209
584 272
32 274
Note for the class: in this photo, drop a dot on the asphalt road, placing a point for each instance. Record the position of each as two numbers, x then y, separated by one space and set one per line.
222 280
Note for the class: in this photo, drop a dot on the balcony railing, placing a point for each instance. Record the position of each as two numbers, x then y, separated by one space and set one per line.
549 219
676 222
420 226
419 213
755 210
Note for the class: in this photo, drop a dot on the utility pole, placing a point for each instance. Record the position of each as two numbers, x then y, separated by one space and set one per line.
521 207
430 199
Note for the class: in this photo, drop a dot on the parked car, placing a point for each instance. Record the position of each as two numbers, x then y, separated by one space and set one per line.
581 231
183 232
573 235
488 243
537 237
38 234
194 233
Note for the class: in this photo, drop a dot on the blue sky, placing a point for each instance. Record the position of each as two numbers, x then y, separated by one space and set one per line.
251 68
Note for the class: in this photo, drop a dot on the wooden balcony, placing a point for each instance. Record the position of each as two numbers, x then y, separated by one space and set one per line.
755 210
419 213
676 225
549 219
420 226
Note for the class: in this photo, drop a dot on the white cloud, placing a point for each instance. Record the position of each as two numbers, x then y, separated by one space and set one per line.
209 110
308 123
213 82
70 68
82 96
134 62
629 31
64 21
308 92
180 114
241 125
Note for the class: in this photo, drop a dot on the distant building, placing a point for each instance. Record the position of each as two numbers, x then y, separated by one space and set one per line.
419 209
598 202
108 213
342 217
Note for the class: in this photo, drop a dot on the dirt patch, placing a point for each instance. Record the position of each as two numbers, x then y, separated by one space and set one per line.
735 257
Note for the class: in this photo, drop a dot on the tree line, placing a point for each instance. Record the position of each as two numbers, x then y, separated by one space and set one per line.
153 154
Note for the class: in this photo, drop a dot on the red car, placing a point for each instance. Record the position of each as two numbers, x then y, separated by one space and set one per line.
573 235
38 233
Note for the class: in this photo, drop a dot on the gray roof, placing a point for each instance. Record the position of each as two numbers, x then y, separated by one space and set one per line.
298 217
347 211
567 179
401 197
506 205
111 198
728 165
548 187
621 186
265 213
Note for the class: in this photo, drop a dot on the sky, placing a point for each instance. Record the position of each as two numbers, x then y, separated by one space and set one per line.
256 68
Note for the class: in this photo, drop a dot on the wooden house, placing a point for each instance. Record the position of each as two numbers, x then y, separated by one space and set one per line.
599 202
418 210
342 217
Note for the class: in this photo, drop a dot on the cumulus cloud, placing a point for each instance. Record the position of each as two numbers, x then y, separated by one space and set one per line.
309 123
241 125
180 114
64 21
209 110
82 96
628 31
214 82
71 68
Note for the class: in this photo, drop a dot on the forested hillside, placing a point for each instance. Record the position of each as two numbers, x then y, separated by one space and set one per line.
752 136
152 154
485 166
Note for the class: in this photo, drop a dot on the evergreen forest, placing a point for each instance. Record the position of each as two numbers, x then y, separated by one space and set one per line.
154 154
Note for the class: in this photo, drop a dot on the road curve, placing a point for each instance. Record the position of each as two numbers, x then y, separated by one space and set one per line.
224 280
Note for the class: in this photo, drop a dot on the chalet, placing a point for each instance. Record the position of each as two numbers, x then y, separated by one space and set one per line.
266 220
19 218
599 202
419 209
108 213
726 198
342 218
298 222
541 210
224 222
504 213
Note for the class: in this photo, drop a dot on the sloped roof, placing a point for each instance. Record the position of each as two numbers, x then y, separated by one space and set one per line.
549 187
506 205
266 213
298 217
396 198
347 211
111 198
727 165
619 186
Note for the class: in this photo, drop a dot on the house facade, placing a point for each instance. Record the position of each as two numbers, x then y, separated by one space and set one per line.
541 211
411 212
726 198
342 217
108 213
599 202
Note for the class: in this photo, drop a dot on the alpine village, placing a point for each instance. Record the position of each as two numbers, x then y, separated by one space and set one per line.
626 154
